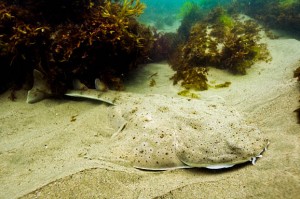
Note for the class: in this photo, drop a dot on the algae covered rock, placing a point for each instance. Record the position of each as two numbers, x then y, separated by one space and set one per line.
219 41
280 14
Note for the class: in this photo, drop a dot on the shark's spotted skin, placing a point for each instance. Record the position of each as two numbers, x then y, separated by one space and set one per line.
166 133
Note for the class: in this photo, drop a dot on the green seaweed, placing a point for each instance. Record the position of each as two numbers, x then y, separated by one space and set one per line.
287 3
226 20
192 78
278 14
223 85
186 8
152 82
192 14
188 93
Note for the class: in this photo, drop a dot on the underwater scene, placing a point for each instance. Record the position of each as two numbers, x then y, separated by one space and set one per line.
149 99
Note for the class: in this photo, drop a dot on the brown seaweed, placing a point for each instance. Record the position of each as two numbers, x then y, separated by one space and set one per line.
219 41
283 14
102 40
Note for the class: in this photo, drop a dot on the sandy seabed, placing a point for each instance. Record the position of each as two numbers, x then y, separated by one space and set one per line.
44 146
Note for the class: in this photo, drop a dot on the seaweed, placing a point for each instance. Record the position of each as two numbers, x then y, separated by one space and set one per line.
189 94
192 78
85 40
219 41
191 13
187 8
152 82
279 14
223 85
241 49
163 46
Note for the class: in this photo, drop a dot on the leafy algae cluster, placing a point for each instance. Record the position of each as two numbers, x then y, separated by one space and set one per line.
275 14
279 14
220 41
65 40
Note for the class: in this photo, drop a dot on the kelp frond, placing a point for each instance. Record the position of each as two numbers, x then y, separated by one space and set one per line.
129 8
132 8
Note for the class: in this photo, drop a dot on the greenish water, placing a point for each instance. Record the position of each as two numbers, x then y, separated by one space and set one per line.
162 9
277 14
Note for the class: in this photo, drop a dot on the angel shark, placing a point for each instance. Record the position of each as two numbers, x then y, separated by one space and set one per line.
156 132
